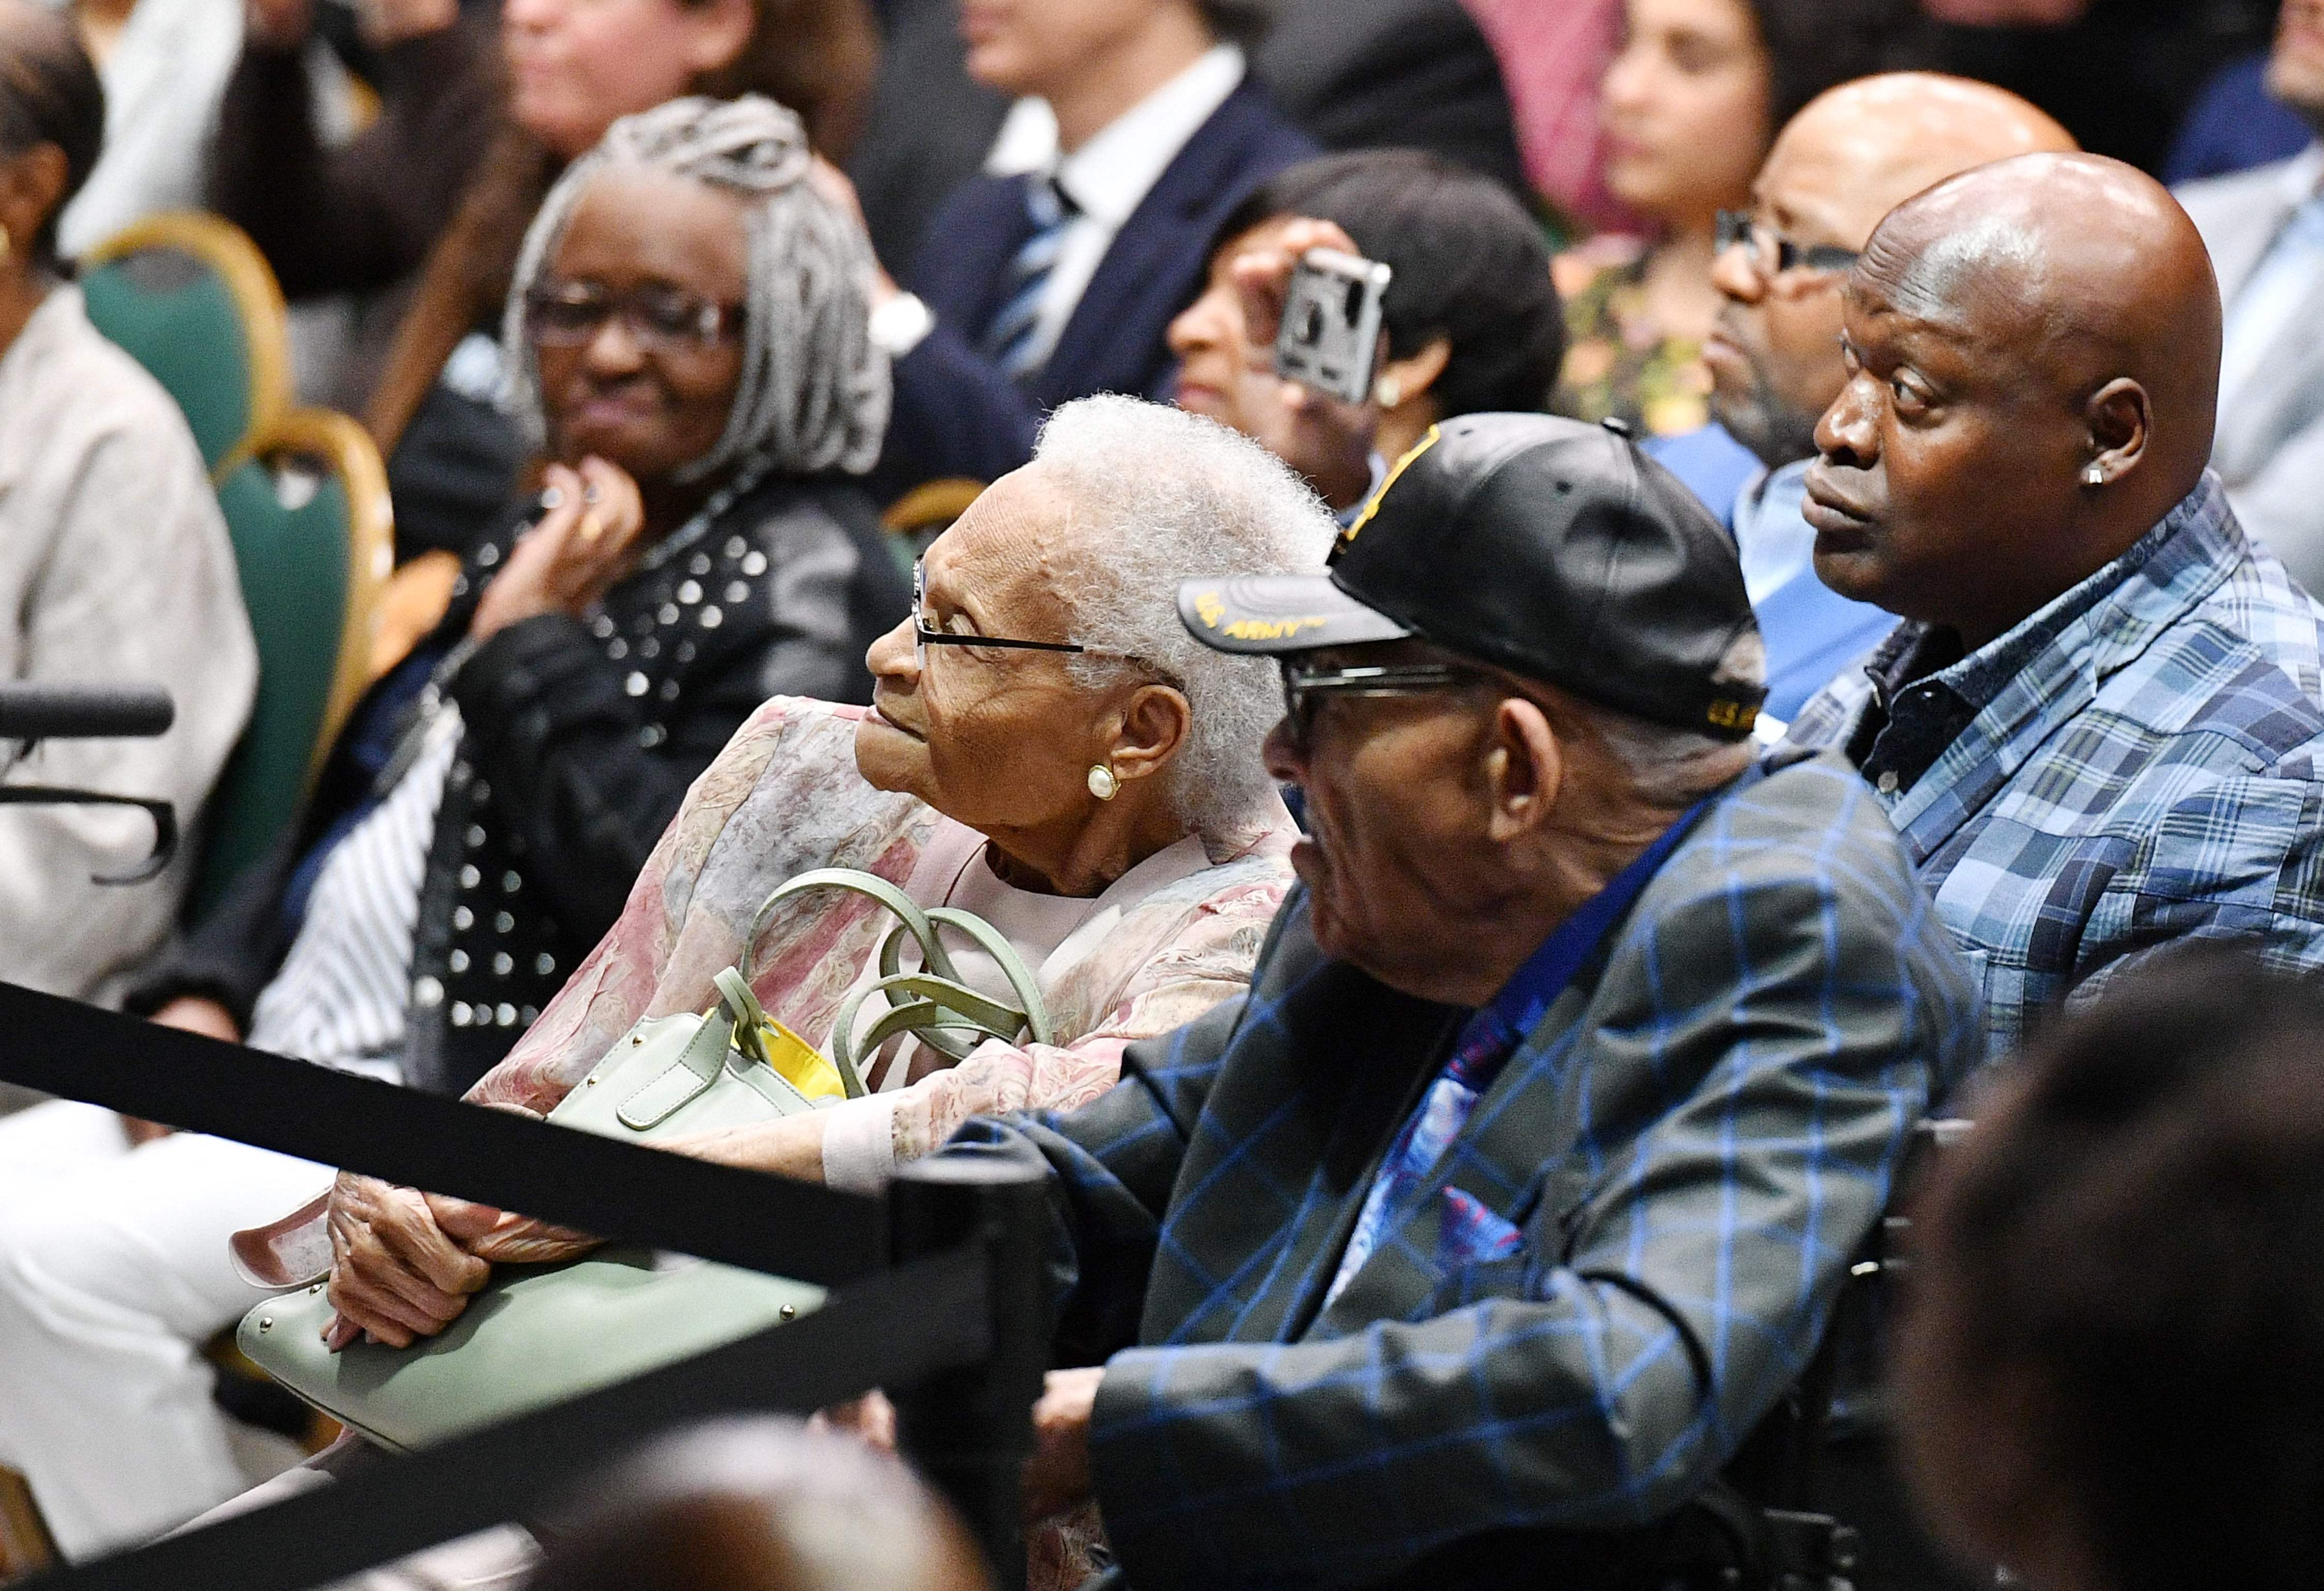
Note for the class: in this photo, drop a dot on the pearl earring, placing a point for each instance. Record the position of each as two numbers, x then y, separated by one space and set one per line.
1101 782
1390 391
2094 476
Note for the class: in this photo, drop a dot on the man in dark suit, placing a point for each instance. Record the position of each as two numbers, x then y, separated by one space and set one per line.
1477 1237
1059 282
1354 74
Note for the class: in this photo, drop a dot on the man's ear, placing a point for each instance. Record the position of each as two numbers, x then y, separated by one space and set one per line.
1155 724
2121 419
1525 768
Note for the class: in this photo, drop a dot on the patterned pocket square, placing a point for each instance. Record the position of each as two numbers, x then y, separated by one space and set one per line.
1469 1233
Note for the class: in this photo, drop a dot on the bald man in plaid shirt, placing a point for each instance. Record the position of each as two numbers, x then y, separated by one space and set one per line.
1473 1244
2098 733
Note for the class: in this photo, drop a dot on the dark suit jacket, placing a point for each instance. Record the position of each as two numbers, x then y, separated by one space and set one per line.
1355 74
957 413
1618 1266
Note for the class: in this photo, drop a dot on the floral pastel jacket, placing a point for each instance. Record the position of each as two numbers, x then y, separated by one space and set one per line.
784 798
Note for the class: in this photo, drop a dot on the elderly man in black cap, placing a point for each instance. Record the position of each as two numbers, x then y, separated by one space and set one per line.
1475 1240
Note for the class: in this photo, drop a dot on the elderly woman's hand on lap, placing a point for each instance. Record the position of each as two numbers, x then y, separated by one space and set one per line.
396 1276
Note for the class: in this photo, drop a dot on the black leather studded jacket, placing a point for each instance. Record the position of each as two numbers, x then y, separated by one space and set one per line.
579 738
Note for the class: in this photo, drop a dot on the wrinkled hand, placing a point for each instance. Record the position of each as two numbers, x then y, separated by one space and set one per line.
1326 440
581 549
396 1276
1057 1475
502 1239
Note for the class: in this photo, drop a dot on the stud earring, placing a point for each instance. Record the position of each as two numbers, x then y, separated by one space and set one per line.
1101 782
1390 391
2094 476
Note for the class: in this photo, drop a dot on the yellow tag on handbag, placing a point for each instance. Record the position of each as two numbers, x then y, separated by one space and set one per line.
798 1062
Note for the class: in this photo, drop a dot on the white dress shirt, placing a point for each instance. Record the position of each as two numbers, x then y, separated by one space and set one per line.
1110 176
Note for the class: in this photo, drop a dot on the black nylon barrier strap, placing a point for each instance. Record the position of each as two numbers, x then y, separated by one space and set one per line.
890 1330
576 1179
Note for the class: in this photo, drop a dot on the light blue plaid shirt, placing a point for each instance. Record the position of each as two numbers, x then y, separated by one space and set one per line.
2134 765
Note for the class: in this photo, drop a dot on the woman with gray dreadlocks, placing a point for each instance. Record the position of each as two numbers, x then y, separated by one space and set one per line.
687 338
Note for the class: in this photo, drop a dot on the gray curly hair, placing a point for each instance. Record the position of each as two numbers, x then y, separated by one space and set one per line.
814 393
1166 496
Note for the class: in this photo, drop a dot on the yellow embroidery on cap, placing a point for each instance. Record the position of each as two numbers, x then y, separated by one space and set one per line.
1210 609
1733 715
1436 435
1272 628
800 1063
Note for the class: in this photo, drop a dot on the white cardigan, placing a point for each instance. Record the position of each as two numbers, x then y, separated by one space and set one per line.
115 565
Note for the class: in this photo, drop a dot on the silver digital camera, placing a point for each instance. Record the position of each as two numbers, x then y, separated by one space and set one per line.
1329 337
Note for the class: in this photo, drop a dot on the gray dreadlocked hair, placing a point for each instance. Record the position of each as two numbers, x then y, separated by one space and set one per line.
813 392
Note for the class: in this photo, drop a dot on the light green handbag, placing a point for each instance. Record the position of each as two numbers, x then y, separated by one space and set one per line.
538 1335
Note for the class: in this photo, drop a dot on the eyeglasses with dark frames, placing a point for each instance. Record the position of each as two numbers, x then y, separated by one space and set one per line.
1302 687
572 314
926 635
1772 253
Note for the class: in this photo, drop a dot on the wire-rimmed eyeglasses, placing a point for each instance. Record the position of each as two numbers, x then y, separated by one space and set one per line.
926 635
1301 685
1772 253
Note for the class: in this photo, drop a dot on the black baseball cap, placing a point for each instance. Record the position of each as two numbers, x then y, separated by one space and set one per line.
1549 548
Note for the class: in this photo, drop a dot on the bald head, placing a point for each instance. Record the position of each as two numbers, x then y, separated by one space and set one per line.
1841 164
1861 150
2080 272
2035 352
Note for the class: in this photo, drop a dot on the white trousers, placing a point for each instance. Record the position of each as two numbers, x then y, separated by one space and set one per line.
114 1272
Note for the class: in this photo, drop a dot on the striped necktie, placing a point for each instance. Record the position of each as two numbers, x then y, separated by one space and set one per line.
1013 339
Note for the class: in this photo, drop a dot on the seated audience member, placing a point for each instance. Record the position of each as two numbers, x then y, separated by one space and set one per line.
1842 163
473 130
2265 232
115 565
1689 108
688 322
760 1504
2099 731
1097 797
2111 1372
1354 74
1061 281
1520 1187
1470 323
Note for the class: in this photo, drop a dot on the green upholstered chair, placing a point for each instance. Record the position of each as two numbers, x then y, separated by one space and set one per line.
314 540
193 301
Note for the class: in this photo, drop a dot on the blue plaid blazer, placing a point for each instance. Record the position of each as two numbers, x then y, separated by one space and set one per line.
1619 1263
2139 766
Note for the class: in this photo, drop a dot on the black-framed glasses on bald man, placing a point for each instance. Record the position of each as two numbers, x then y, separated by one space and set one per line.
1772 253
573 314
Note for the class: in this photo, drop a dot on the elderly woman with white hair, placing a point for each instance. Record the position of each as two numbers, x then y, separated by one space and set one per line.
688 338
1045 749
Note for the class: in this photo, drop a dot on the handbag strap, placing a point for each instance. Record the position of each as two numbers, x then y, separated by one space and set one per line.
750 1019
933 1004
